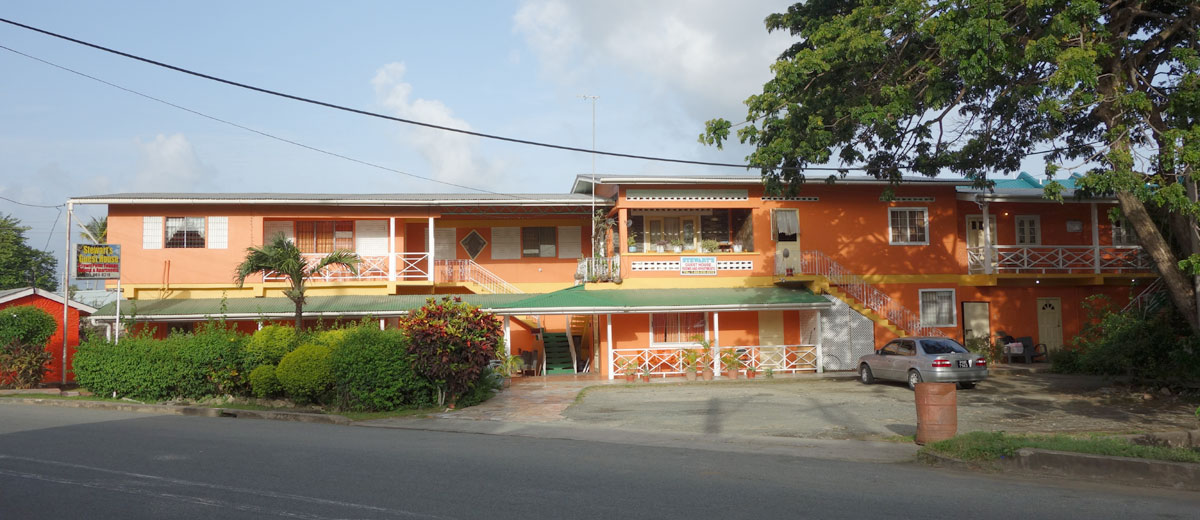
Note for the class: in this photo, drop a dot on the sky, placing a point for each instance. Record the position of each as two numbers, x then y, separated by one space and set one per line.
516 68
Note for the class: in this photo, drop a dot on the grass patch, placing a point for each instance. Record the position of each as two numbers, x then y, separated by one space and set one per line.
367 416
991 446
906 439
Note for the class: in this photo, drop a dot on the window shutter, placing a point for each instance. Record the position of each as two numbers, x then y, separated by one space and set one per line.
152 232
506 243
570 241
445 243
218 232
370 237
275 227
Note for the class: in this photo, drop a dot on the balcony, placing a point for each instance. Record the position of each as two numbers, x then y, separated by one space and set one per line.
1059 259
408 267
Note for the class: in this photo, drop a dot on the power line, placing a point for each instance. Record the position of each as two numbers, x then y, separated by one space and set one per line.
248 129
30 205
415 122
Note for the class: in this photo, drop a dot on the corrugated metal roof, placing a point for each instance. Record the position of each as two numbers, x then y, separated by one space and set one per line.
578 300
583 181
315 306
382 199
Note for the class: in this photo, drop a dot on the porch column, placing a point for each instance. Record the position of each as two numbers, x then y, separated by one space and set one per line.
381 324
1095 241
622 238
987 241
508 334
716 343
431 249
820 343
609 341
108 330
392 249
260 325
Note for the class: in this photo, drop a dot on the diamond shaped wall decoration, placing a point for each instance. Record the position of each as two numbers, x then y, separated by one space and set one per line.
473 243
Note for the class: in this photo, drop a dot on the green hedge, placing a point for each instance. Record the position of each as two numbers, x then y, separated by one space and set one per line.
268 345
264 383
306 373
372 370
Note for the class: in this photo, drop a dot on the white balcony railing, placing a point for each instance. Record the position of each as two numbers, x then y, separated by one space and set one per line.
1062 259
598 269
467 271
409 267
665 361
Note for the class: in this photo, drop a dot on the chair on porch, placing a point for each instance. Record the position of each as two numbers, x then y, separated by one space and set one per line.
1028 351
532 362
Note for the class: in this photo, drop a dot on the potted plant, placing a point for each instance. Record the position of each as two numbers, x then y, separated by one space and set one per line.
661 246
632 244
677 244
705 357
630 367
691 358
750 371
710 245
737 248
769 373
646 374
731 362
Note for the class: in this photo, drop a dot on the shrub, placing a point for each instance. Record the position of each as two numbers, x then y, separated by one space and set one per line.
482 390
24 330
1158 348
208 362
264 383
451 343
138 367
330 338
305 373
268 345
372 371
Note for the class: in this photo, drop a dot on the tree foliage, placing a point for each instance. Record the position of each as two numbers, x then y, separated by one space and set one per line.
24 330
974 86
451 343
20 264
96 230
282 256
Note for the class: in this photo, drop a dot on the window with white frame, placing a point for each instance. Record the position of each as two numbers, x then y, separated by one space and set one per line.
937 308
682 327
908 226
1122 233
1029 230
185 232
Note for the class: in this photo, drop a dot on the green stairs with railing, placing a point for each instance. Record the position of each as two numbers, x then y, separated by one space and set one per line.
558 353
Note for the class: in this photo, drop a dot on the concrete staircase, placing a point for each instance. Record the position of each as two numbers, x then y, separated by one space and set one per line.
833 278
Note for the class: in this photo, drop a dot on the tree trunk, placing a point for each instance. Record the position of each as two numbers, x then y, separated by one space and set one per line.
1179 288
299 316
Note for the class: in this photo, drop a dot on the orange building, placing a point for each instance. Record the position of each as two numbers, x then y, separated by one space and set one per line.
802 283
53 305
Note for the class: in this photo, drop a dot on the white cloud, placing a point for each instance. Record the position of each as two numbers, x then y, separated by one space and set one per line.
169 163
706 54
453 157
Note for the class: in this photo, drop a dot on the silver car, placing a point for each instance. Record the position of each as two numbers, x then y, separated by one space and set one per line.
936 360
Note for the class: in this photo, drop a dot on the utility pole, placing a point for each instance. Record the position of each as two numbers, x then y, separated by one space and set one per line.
593 214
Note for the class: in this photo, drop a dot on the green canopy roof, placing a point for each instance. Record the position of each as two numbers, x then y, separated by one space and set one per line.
575 300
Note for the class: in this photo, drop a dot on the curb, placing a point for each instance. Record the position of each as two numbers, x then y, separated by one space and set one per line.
1083 466
192 411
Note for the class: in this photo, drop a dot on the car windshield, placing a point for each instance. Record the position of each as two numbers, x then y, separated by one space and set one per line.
942 346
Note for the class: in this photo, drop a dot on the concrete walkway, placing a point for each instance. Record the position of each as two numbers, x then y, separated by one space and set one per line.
534 399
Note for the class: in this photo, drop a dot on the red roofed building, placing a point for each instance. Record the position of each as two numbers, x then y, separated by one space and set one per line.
52 304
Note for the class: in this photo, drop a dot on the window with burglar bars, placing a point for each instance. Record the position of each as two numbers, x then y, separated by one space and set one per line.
908 226
1029 232
677 327
1122 233
324 236
937 308
185 232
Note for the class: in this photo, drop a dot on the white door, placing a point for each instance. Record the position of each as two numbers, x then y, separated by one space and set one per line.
770 339
1050 323
975 238
976 324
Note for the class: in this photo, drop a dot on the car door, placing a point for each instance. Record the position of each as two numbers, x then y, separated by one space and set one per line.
906 360
883 367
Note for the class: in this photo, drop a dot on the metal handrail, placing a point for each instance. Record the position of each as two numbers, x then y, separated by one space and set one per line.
1148 295
598 269
1059 258
820 264
470 272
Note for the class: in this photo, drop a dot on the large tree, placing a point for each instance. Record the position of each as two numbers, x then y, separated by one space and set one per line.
975 86
282 256
96 230
20 264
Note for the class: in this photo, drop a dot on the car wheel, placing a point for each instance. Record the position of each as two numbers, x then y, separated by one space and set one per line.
967 385
914 377
865 375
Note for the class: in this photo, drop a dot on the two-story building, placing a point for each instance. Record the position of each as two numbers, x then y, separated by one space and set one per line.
808 282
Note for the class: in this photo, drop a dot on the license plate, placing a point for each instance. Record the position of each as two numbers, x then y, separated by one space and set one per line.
962 363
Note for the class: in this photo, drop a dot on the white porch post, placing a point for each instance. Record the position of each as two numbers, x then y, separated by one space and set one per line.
820 345
609 341
381 324
716 343
987 241
260 325
392 249
508 334
108 329
430 248
1095 241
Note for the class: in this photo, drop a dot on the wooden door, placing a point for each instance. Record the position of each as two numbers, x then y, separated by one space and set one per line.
975 236
1050 323
976 323
771 340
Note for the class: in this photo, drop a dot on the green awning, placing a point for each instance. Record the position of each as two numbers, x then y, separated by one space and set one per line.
379 306
577 300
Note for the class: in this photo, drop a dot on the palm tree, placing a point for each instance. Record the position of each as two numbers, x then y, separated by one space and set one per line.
282 256
95 230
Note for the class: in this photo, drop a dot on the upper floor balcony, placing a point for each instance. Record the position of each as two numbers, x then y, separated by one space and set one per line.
1057 259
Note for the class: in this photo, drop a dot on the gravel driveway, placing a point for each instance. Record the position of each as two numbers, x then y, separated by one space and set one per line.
847 409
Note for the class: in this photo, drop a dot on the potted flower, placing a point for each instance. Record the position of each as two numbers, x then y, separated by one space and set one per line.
710 245
705 357
646 374
632 244
731 362
769 373
691 358
750 371
677 244
630 367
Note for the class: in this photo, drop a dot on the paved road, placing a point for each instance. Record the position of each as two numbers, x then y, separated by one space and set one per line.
73 463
